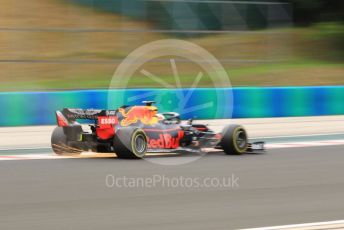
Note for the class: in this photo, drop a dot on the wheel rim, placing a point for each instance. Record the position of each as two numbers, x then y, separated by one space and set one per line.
140 143
241 139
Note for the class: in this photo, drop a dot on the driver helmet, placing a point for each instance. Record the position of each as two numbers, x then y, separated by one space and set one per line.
160 116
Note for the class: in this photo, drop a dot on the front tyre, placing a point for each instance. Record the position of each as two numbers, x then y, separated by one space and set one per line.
130 143
59 143
234 140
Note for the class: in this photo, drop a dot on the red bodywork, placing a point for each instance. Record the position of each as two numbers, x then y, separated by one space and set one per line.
105 129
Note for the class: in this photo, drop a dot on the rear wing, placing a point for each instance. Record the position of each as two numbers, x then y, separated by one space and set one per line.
68 116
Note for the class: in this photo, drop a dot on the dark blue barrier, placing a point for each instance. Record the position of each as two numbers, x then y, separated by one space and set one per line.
37 108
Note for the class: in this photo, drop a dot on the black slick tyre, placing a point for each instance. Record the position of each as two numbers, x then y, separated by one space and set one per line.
130 143
59 143
234 140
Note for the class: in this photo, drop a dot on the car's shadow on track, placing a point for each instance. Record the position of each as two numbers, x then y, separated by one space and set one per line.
110 156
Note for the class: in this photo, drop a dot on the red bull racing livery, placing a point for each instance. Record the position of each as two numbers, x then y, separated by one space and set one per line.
132 131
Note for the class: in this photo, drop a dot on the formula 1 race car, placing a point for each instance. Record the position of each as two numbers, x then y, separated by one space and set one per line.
131 131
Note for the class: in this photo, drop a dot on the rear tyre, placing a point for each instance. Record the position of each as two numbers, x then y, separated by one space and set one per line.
130 143
60 145
234 140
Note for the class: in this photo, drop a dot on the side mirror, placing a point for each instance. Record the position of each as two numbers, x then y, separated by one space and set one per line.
186 127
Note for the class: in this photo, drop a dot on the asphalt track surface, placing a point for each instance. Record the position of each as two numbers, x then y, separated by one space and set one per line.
281 186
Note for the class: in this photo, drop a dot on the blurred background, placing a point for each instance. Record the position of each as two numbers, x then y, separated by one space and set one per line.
77 44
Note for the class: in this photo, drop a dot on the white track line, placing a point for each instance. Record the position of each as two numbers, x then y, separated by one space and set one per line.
337 224
49 156
304 144
46 156
303 135
99 155
24 148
